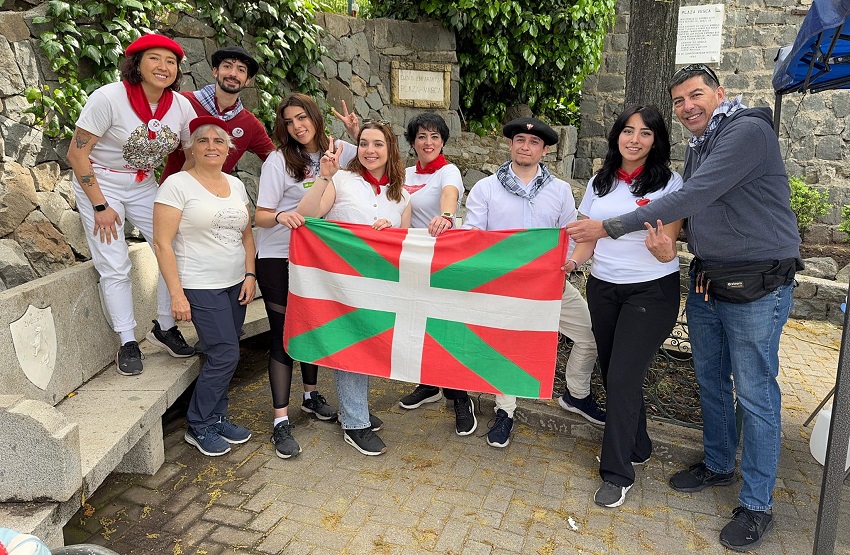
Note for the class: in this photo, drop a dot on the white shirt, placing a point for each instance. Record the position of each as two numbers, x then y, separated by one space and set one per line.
490 206
357 203
280 192
208 245
124 143
425 190
626 260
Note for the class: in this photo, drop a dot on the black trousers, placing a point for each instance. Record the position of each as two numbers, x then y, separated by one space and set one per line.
630 322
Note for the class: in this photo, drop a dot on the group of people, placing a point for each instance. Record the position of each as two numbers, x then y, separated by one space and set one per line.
736 208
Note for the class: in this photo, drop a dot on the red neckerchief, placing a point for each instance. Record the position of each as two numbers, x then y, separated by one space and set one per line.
222 112
376 183
629 177
433 165
140 104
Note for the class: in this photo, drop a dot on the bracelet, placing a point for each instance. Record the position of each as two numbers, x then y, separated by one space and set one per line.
574 262
449 218
276 216
328 179
251 274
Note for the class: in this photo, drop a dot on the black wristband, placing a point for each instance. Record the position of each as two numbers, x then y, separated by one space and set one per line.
251 274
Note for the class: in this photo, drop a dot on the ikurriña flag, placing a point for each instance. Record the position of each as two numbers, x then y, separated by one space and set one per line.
469 309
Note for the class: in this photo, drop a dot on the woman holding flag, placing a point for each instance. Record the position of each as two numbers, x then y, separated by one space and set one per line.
287 175
435 188
370 191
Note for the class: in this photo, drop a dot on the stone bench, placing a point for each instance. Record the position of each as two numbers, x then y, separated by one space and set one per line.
69 424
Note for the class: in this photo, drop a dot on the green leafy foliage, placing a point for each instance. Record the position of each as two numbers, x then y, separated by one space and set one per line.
85 41
844 226
808 203
513 52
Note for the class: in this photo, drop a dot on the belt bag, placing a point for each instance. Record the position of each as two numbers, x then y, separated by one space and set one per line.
742 282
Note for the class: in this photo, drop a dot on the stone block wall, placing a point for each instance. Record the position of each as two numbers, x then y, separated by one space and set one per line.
815 128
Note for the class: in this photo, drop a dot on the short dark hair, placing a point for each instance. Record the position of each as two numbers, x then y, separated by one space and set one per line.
428 121
691 71
656 171
129 70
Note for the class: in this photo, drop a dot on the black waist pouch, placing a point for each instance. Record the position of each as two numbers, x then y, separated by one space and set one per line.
742 282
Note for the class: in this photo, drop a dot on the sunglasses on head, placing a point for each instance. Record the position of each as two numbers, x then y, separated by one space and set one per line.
377 122
702 68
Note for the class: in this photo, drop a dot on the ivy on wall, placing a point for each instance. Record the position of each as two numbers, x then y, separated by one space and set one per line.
514 52
85 42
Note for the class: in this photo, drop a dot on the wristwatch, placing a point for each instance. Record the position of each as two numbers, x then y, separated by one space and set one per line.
100 207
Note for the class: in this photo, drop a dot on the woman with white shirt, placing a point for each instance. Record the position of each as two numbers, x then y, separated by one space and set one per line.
633 290
287 175
435 188
368 192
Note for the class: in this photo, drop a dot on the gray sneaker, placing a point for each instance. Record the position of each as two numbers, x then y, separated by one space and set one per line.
317 405
128 361
285 445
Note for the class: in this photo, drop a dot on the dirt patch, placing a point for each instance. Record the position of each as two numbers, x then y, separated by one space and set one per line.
837 251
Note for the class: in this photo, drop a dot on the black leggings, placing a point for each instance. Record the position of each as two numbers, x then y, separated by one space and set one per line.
273 278
630 322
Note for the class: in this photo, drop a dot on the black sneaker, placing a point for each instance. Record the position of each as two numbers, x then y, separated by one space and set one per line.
610 495
285 445
698 477
500 434
465 421
419 396
366 441
375 423
317 405
128 361
170 340
746 530
585 407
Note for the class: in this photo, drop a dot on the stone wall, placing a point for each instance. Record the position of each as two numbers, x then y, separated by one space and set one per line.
815 129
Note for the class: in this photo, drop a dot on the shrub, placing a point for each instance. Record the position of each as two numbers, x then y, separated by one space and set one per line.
807 203
844 226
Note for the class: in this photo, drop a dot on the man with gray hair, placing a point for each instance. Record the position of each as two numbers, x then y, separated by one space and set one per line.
744 238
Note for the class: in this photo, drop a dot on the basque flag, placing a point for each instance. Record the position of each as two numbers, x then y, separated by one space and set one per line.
473 310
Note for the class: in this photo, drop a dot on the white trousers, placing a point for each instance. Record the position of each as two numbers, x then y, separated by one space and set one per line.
575 324
134 201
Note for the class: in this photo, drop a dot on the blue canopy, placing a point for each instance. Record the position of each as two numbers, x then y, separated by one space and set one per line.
819 59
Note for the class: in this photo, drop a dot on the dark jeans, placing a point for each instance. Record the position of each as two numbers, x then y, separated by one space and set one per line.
630 322
218 317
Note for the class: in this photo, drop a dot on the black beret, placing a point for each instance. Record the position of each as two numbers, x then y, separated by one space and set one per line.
532 126
236 53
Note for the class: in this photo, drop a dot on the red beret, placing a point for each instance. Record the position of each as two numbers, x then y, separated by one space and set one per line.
208 120
146 42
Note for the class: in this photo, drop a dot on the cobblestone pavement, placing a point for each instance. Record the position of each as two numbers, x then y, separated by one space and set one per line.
436 492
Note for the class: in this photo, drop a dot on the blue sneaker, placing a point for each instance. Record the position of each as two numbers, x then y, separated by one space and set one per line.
232 433
585 407
500 434
208 441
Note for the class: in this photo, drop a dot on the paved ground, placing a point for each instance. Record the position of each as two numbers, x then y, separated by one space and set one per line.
436 492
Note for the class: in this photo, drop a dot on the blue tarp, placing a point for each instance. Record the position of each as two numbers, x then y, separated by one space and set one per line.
819 59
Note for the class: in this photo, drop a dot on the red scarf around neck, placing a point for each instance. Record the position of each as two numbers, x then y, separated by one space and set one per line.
433 165
629 177
376 183
140 104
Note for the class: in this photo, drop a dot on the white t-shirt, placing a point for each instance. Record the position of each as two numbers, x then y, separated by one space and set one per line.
626 260
357 203
124 143
280 192
425 190
490 206
208 245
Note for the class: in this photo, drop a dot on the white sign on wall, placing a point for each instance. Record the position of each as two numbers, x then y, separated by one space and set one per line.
700 34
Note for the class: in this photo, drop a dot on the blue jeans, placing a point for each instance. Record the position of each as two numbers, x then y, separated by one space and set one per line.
353 393
740 342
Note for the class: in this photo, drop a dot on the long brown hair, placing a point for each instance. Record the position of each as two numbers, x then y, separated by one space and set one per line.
394 168
297 159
